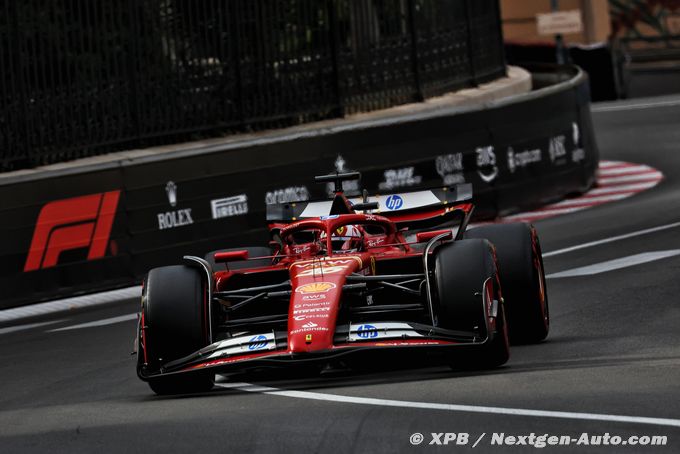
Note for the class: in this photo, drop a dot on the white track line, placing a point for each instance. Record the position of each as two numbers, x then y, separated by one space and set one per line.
450 407
104 322
638 106
591 200
617 264
612 239
12 329
542 214
68 304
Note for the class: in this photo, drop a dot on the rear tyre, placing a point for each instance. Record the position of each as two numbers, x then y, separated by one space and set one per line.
518 251
174 306
461 271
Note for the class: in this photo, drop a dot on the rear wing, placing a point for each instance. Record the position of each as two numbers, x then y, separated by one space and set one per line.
417 209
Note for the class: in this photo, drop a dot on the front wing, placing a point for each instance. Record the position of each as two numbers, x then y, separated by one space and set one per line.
407 341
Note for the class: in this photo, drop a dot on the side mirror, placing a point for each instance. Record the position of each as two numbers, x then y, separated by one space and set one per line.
231 256
422 237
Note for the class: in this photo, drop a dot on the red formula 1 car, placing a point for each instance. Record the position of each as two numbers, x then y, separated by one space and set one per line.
345 281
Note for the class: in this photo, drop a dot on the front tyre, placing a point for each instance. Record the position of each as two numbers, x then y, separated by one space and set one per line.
468 289
173 325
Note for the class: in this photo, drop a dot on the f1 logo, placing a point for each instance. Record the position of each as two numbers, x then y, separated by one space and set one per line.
72 223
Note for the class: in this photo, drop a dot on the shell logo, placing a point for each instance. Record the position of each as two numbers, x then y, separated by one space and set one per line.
315 287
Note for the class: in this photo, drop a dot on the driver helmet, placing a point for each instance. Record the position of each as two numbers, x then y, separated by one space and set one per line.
345 239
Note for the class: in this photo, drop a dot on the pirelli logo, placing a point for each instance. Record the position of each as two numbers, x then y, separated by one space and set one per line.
74 223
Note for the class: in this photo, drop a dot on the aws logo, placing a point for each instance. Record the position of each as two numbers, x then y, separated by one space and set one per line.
74 223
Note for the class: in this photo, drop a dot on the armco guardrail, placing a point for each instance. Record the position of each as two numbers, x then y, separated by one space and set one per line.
105 226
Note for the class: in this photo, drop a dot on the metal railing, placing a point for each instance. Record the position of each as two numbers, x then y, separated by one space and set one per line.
80 78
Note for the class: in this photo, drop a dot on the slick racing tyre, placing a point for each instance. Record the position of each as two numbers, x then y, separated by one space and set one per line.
255 251
463 271
518 251
174 325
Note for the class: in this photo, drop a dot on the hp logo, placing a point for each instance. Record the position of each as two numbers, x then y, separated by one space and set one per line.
394 202
257 342
367 331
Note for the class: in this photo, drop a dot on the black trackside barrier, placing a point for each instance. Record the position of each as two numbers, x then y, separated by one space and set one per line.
600 62
82 78
107 225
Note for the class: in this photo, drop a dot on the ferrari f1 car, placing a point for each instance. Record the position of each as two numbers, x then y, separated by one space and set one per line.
344 279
